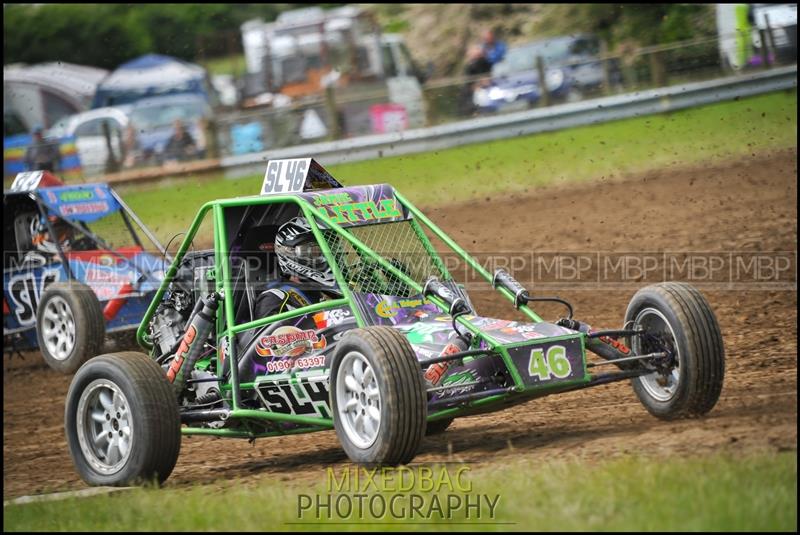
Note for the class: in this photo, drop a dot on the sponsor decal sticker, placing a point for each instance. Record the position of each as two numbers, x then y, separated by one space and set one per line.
527 331
84 208
290 364
77 195
183 349
435 372
106 283
342 209
25 294
329 318
308 397
388 309
461 383
616 344
288 341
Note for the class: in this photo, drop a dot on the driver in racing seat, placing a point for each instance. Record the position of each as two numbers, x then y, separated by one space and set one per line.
308 278
44 243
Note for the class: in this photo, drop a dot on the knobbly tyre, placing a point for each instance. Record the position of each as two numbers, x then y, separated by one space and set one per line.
74 269
392 350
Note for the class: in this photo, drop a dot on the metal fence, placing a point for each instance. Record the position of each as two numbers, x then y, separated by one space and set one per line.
502 126
347 113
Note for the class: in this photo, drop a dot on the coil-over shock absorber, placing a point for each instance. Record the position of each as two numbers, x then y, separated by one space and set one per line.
194 339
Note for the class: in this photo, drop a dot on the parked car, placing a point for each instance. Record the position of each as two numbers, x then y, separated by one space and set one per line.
90 141
572 67
154 119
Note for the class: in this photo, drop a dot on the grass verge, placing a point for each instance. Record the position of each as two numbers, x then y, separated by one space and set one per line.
719 492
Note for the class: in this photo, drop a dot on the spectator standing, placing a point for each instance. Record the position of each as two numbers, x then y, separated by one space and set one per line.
130 146
43 154
493 48
476 64
202 135
181 146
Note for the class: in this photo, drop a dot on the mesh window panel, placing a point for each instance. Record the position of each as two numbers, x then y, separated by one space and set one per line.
398 244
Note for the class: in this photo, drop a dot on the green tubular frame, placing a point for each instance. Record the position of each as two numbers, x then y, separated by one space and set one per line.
226 329
463 254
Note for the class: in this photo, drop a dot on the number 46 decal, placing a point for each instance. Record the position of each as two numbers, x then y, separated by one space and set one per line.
553 364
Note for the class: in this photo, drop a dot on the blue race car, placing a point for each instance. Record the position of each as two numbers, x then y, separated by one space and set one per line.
65 286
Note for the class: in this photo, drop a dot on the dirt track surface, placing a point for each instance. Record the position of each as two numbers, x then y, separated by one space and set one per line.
743 206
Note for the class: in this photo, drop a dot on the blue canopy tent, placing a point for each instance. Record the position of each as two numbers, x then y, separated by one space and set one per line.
152 75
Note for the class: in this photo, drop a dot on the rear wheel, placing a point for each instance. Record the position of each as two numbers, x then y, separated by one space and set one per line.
378 397
122 421
70 327
678 319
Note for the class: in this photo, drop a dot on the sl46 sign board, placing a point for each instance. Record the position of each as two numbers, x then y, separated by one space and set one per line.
285 176
295 175
27 181
33 180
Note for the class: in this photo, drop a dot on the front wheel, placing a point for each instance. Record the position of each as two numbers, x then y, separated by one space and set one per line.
378 397
677 319
70 327
122 421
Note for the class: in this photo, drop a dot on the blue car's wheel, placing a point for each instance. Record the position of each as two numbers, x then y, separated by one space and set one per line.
70 327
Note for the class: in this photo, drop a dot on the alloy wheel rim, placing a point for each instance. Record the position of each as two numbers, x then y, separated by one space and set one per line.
105 426
58 328
358 400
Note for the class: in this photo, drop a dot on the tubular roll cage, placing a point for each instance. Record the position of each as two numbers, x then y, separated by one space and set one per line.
225 327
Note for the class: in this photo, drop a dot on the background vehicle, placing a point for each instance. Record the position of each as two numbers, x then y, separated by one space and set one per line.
738 27
399 353
40 95
571 69
87 129
306 49
154 118
782 20
74 268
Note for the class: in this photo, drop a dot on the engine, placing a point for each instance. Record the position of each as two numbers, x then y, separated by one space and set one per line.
182 330
169 322
167 325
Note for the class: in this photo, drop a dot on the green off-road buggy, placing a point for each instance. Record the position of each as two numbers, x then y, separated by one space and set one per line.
330 307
